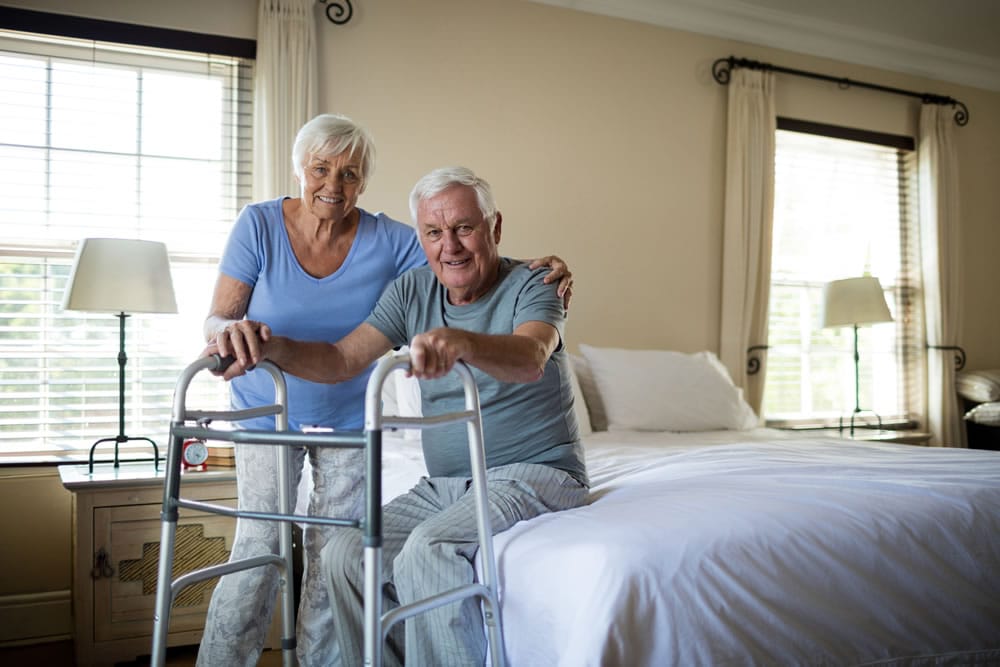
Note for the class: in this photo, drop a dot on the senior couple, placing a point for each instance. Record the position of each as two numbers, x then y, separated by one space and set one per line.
323 289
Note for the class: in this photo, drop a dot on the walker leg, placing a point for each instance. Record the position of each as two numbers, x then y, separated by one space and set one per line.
164 600
168 533
373 606
287 590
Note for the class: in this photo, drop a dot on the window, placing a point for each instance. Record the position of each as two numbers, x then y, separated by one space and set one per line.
106 139
843 207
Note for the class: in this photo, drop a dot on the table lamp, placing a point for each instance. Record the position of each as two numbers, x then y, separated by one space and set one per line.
853 302
120 276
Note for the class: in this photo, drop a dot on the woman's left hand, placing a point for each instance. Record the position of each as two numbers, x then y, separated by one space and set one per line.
559 270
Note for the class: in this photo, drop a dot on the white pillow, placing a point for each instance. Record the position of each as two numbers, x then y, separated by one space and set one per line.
979 386
579 404
591 397
408 401
389 406
987 414
661 390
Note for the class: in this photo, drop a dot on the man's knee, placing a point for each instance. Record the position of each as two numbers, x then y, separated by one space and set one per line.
342 556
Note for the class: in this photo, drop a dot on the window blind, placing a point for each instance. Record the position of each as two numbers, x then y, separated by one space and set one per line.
104 139
842 208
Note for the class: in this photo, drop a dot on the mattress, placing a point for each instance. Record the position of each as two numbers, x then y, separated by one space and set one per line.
759 547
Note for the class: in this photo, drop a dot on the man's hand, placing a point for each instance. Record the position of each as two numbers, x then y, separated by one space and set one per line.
433 353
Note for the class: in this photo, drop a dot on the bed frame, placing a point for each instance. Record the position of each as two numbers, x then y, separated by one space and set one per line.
194 424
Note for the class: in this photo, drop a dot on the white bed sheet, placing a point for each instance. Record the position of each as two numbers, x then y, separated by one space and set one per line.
758 547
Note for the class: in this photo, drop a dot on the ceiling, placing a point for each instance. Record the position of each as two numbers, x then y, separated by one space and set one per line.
950 40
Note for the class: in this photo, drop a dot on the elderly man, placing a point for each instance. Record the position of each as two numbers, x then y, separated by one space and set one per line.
496 315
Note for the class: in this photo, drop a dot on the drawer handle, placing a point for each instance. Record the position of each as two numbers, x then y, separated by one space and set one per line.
102 565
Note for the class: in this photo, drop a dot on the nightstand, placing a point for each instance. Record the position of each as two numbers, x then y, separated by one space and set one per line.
903 437
116 540
906 437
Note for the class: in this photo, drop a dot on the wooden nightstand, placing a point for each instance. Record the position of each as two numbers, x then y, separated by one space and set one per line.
906 437
903 437
116 536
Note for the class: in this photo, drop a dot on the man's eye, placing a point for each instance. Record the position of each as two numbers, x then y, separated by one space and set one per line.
433 233
465 230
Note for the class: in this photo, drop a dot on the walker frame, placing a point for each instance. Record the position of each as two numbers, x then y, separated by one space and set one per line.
194 424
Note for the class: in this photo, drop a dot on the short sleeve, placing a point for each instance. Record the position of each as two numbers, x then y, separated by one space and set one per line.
540 302
242 258
389 315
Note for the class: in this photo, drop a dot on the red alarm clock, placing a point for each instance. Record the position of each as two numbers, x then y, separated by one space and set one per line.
194 454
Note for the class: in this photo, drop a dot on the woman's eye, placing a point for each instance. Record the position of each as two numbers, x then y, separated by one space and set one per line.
351 177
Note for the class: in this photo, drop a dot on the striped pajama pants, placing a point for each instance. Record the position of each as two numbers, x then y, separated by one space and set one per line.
430 541
242 605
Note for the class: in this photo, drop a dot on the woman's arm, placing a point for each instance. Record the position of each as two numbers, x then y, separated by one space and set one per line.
227 332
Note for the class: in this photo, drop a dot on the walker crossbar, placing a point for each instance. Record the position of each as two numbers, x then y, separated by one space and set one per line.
376 623
193 577
265 516
233 415
248 437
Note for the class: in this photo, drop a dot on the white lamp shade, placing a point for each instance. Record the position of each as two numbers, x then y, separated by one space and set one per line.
854 301
120 275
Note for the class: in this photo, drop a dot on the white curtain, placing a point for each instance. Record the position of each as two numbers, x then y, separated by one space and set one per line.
285 91
939 236
749 211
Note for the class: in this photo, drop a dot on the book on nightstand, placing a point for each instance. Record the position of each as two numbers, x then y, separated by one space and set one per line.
221 455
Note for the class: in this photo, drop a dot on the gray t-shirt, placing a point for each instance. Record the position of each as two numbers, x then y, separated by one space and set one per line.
522 423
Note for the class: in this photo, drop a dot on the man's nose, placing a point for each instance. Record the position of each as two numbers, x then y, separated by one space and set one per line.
451 242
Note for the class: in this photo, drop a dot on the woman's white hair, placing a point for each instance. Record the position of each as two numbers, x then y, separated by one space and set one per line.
336 134
445 177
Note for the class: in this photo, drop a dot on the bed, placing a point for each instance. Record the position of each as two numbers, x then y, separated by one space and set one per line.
718 542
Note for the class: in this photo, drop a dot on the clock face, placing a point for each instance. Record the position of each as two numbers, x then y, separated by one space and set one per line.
195 453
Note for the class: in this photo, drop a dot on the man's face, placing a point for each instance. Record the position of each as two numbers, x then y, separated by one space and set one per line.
461 247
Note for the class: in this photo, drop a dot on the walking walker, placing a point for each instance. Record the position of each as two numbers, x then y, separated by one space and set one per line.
195 424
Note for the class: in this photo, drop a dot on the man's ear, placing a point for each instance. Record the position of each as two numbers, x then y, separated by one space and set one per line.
496 228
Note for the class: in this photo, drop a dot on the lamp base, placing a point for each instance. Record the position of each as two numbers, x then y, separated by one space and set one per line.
119 439
854 415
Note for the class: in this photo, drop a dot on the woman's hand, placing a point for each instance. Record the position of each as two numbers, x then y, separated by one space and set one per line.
558 270
244 341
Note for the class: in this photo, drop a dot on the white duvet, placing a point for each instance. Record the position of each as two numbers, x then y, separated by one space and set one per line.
754 547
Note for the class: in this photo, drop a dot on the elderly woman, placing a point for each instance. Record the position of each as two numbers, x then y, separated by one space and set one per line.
311 268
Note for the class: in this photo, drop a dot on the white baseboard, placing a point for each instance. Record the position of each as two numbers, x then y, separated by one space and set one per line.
35 617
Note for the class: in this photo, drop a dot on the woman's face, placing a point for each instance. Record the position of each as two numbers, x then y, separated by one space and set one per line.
331 184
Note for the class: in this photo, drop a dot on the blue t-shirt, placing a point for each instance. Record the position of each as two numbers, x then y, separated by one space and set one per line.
522 422
299 306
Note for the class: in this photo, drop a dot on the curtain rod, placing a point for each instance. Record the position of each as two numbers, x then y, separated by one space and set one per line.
721 70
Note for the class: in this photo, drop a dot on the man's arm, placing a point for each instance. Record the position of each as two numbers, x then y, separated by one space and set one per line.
517 357
328 362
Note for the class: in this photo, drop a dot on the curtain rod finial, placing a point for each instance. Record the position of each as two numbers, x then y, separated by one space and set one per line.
339 11
722 68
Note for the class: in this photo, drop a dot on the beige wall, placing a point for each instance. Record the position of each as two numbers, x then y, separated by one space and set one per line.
35 565
604 140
